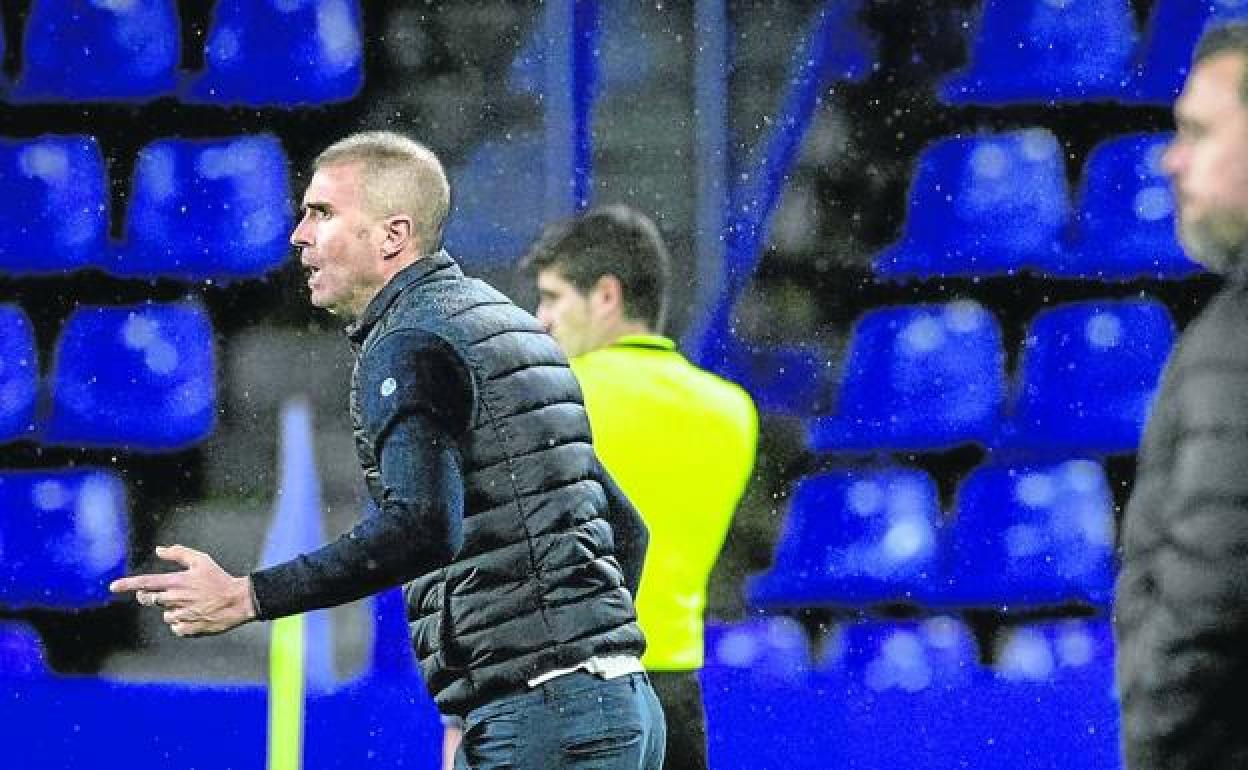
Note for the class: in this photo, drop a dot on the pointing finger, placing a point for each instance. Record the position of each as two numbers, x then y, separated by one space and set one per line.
156 582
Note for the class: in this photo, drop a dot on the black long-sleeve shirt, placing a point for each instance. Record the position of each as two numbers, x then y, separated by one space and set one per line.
421 408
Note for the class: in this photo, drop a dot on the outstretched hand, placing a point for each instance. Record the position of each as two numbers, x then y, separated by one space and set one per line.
199 600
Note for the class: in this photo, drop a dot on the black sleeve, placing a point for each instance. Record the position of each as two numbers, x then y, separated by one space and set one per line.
631 536
416 397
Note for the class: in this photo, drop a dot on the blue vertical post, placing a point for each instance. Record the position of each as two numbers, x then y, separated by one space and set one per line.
571 32
712 156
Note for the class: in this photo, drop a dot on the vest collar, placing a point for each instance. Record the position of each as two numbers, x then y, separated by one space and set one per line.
419 271
645 342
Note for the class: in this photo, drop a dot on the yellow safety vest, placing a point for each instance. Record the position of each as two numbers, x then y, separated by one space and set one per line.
680 442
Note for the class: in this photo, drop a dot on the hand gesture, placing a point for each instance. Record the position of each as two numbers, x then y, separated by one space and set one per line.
199 600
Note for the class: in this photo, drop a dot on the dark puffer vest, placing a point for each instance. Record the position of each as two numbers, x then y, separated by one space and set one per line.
535 585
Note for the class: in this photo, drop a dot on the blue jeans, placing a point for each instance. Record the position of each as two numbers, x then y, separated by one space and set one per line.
573 721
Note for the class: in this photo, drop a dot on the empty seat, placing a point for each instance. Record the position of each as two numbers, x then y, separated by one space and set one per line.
1045 51
208 209
499 202
64 537
769 648
1033 535
988 204
77 51
279 53
1087 376
55 213
1056 650
21 650
903 655
856 537
1124 225
918 377
19 374
140 377
1166 53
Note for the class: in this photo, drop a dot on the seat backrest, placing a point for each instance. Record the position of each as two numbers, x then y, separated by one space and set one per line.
922 376
1088 373
774 647
498 202
1166 52
78 51
908 655
208 209
1037 50
1124 224
1049 651
21 650
55 215
63 537
19 374
136 376
1033 534
983 204
281 53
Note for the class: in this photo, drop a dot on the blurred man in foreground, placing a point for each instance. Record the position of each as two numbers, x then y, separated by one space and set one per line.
1181 614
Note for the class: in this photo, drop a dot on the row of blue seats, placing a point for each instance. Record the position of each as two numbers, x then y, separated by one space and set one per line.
140 377
932 377
199 209
1020 535
257 53
1077 50
996 204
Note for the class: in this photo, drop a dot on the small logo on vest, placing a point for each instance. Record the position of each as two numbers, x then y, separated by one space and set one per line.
388 386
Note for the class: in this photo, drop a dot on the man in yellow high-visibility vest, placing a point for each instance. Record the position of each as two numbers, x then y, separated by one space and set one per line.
679 440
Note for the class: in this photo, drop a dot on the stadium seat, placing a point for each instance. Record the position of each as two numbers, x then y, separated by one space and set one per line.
55 213
64 535
499 202
208 209
1026 536
77 51
915 378
1046 51
1087 375
1166 53
1054 651
767 648
19 374
21 650
278 53
903 655
1124 224
139 377
982 205
855 538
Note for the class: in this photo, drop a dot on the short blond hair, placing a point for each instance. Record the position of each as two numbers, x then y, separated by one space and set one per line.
399 176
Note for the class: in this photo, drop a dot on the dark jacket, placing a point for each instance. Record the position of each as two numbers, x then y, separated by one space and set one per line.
1181 614
523 555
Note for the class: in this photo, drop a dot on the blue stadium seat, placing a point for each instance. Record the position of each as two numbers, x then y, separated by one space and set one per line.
19 374
767 648
918 377
55 213
1046 51
1032 536
21 650
1173 29
64 537
79 51
279 53
1124 225
1086 378
140 377
499 200
1055 651
903 655
856 537
208 209
982 205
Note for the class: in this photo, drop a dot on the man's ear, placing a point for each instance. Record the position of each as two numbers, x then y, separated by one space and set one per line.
398 236
607 294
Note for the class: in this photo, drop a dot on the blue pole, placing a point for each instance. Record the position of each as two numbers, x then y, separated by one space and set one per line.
571 32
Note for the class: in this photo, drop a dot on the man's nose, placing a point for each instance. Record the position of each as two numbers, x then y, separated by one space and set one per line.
299 236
